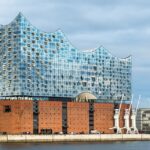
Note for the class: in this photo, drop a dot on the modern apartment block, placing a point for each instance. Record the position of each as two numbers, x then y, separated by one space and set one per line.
143 120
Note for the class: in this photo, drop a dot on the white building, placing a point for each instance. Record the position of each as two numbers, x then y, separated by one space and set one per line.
143 120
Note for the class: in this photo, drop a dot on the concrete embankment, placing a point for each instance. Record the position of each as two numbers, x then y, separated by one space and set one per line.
75 138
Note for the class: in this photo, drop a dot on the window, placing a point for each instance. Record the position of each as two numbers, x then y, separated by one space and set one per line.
84 83
93 79
7 108
143 115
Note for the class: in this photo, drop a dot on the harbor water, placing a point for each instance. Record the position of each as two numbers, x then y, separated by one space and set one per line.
138 145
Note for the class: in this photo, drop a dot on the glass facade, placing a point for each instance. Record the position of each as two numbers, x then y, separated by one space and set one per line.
36 63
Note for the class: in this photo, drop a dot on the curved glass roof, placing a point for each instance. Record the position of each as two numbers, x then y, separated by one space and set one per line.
47 64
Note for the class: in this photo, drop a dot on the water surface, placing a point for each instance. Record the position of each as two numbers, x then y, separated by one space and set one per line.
142 145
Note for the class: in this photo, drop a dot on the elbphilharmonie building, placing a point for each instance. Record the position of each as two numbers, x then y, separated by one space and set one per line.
47 86
40 64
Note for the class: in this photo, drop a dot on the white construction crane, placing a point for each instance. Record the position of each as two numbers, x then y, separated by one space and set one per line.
127 118
133 118
116 118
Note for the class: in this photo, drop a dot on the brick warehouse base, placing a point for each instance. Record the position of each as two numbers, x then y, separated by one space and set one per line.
50 116
16 116
103 117
78 117
46 117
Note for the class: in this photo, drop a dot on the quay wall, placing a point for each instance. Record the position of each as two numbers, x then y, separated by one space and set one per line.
74 138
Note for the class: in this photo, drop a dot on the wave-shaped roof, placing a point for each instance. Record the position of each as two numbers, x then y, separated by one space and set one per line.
21 17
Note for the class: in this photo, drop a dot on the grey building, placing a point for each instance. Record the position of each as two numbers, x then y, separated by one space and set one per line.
143 120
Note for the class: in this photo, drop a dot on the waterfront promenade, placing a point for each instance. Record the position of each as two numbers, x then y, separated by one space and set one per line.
74 138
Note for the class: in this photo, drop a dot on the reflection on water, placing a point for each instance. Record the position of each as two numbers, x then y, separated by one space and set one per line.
76 146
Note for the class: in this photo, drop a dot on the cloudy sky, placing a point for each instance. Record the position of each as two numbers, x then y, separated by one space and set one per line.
121 26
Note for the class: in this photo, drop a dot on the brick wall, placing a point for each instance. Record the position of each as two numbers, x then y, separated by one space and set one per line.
78 117
103 117
50 115
121 118
20 117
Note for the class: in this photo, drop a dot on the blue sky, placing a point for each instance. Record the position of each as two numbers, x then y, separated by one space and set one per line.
121 26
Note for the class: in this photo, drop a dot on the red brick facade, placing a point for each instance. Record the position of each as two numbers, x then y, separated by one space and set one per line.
78 117
50 116
18 118
103 117
121 118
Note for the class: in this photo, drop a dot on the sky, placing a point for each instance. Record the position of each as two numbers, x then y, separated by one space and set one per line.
121 26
